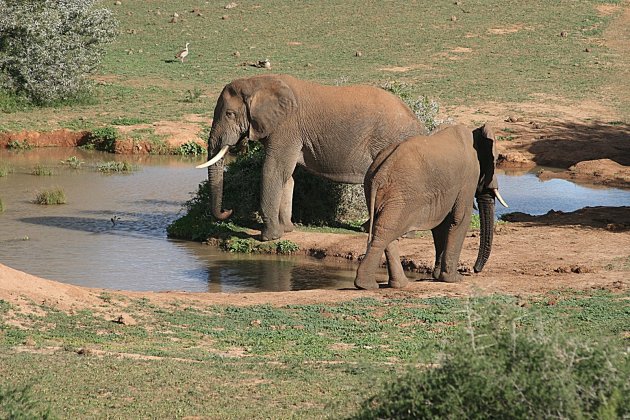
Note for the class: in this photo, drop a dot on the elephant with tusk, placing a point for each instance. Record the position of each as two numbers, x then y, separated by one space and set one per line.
429 182
333 131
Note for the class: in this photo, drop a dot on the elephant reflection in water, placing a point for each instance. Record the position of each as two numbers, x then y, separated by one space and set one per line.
274 275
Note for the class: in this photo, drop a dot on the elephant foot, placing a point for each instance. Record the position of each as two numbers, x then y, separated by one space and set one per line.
269 234
365 284
436 273
450 277
399 283
288 227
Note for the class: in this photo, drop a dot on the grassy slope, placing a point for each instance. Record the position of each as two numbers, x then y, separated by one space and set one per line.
455 62
309 361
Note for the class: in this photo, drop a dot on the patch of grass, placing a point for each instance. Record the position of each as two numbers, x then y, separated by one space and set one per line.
1 206
192 95
73 162
303 361
507 364
42 171
12 103
190 148
619 263
128 121
78 124
19 145
252 246
114 166
20 403
5 170
51 197
103 139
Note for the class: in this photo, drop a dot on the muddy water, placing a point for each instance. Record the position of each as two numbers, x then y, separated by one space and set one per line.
78 243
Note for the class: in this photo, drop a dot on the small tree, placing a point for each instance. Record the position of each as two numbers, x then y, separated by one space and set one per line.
48 47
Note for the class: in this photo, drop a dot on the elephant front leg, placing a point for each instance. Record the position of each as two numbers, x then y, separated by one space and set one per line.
397 277
274 179
453 249
286 206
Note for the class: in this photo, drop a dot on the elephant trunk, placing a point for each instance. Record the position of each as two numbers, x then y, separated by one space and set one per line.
215 180
485 201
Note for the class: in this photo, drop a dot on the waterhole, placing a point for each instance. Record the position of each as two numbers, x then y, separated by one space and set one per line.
112 231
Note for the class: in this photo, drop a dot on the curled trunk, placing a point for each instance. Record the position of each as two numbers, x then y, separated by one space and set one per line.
486 218
215 180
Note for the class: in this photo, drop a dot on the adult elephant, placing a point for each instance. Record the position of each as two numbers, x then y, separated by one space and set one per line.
429 182
333 131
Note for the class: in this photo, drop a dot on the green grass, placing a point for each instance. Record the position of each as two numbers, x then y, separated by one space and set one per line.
463 62
5 170
73 162
294 361
114 166
19 145
42 171
1 205
51 197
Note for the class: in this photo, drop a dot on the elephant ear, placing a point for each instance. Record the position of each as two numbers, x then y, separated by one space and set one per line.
485 144
269 102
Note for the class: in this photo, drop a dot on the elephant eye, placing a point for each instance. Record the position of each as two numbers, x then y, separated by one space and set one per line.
230 114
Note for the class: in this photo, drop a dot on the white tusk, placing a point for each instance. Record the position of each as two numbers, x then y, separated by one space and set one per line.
215 159
498 196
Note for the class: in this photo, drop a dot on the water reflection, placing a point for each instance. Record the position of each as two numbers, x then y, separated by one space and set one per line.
78 243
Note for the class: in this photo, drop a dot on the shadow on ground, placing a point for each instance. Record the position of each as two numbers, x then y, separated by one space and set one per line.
565 144
614 219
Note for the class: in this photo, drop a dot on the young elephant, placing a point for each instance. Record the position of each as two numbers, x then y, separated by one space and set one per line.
428 182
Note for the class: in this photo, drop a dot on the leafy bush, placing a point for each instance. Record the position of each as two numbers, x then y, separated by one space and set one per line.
19 145
114 166
506 366
42 171
5 170
316 200
190 148
73 162
48 47
426 110
103 139
18 403
50 197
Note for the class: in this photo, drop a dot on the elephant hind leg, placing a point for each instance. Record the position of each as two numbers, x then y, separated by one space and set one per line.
397 277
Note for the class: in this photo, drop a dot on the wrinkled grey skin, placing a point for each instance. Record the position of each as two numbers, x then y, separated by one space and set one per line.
333 131
429 182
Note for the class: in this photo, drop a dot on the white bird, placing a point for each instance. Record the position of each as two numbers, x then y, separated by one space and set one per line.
183 53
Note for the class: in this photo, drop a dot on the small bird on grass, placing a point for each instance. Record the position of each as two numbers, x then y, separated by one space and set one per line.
183 53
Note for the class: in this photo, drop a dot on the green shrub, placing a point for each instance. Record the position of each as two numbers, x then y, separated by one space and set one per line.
252 246
48 47
506 366
190 148
19 145
42 171
426 110
73 162
5 170
316 201
114 166
49 197
128 121
103 139
18 403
